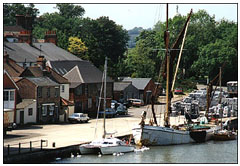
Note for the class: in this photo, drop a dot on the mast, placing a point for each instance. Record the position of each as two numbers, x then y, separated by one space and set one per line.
220 97
104 103
166 115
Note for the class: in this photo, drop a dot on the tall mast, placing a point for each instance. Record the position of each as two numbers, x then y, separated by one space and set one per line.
166 115
104 104
220 97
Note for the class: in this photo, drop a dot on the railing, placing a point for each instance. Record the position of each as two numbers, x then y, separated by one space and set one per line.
25 147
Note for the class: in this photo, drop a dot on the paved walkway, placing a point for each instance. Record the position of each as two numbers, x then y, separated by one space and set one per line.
72 134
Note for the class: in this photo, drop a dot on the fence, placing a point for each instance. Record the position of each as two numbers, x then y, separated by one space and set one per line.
25 147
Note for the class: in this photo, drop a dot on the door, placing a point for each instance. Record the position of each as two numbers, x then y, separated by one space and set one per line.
21 117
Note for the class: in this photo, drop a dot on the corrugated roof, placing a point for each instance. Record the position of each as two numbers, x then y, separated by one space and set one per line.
25 103
139 83
78 71
21 52
120 86
42 81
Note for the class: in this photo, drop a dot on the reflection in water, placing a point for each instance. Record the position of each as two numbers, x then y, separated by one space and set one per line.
209 152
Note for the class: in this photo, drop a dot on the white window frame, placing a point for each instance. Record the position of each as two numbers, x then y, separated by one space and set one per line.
51 109
62 88
29 110
44 110
11 95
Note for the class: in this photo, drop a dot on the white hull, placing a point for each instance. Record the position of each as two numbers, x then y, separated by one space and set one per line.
156 135
117 149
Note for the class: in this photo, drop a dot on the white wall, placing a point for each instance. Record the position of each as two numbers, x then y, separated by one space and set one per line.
64 94
27 118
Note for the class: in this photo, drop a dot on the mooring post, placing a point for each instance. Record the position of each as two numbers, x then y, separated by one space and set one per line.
30 146
19 148
8 149
41 144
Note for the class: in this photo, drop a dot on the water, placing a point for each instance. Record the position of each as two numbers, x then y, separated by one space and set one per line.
208 152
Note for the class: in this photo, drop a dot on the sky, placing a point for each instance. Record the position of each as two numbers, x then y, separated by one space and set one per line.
146 15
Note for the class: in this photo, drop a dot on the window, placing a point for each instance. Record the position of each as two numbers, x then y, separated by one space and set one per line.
51 109
89 102
48 92
11 95
63 88
44 110
78 90
39 92
56 91
86 90
30 111
5 95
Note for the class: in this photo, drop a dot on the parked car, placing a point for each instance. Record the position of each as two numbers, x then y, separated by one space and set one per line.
178 91
78 117
137 102
110 113
121 110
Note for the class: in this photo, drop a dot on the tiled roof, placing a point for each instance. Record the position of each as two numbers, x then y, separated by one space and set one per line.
21 52
13 69
139 83
78 71
42 81
120 86
36 71
25 103
33 71
15 28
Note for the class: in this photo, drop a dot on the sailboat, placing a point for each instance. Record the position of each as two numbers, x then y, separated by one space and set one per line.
164 135
222 135
105 145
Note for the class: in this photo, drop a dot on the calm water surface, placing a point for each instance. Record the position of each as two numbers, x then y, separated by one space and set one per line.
209 152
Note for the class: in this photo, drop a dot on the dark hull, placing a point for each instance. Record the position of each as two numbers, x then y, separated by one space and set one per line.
224 137
198 135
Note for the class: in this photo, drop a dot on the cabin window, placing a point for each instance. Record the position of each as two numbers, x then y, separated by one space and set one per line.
30 111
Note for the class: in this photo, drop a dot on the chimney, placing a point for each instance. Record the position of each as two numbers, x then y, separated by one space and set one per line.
41 61
51 37
20 20
28 22
25 37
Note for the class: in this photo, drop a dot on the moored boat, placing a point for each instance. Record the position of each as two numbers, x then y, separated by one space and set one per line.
224 135
157 135
105 145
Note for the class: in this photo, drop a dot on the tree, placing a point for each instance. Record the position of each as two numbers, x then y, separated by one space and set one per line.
77 47
11 10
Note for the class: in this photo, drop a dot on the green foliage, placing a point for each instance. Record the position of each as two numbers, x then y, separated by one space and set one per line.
208 45
11 10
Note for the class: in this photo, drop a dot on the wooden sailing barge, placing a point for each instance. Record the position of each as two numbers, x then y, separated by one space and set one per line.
164 135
